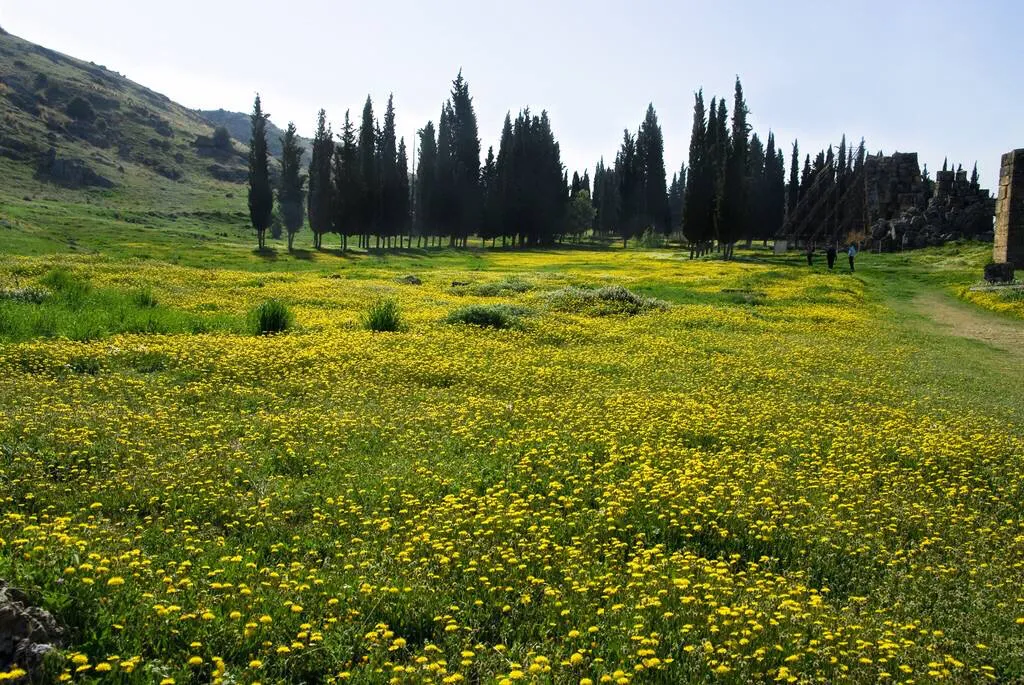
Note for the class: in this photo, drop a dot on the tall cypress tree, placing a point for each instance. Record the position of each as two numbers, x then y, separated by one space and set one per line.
698 202
806 175
628 173
387 173
502 195
403 196
446 191
261 196
651 155
757 189
368 182
489 220
793 192
348 184
465 160
426 183
291 194
732 204
320 188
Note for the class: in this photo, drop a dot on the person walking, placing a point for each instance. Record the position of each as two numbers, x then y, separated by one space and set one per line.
830 255
852 252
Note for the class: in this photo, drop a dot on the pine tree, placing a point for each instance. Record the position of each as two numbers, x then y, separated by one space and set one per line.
774 190
841 160
426 183
793 192
261 196
755 212
389 178
732 203
650 145
585 181
292 194
627 171
974 178
490 217
347 208
698 201
403 196
369 204
446 208
806 175
676 193
466 160
504 212
321 192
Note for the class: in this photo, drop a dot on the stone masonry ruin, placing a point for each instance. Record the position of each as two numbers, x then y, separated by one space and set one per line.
889 206
902 215
1009 235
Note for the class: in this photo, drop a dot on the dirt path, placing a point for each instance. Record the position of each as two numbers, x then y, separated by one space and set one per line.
963 320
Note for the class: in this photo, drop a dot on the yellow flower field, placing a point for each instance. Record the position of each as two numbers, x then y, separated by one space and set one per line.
772 479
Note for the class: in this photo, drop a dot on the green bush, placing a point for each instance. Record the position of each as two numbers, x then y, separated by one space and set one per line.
487 315
271 317
604 301
80 109
383 316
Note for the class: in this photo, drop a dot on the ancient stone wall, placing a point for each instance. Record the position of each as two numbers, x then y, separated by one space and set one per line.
893 185
1009 238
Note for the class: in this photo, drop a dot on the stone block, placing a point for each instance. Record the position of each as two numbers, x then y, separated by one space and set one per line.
1008 244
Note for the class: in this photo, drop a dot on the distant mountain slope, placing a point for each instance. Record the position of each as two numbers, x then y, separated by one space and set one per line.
239 126
76 124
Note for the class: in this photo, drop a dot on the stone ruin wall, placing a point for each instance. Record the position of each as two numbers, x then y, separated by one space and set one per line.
901 215
1009 234
893 185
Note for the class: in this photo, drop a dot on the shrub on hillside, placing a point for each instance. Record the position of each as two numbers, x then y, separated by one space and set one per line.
604 301
271 317
80 109
383 316
221 138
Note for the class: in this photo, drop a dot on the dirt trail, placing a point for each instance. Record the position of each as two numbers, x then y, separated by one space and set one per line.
965 321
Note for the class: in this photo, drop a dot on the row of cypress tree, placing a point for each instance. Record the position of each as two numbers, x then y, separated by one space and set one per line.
360 186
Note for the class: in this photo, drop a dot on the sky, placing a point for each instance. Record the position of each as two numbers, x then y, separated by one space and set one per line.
944 78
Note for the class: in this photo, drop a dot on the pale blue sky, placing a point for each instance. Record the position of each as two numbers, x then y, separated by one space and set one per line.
940 77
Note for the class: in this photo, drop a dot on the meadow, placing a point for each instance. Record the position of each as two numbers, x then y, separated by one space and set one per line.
751 471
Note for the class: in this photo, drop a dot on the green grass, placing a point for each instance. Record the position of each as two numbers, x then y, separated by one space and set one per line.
76 310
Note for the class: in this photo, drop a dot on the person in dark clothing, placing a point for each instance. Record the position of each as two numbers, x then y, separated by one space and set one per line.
810 254
830 255
852 252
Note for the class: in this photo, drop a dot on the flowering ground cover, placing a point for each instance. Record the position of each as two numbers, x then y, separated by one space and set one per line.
749 471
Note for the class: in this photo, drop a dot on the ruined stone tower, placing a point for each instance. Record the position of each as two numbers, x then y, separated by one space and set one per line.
1009 240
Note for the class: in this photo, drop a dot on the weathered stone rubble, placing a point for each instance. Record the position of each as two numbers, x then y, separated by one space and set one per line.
27 633
957 210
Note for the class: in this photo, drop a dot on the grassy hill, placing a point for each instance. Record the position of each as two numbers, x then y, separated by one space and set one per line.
92 160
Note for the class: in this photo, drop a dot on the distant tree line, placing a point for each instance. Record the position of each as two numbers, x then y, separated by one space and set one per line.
360 186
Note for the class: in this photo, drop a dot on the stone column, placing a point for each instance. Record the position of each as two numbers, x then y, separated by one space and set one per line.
1009 240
